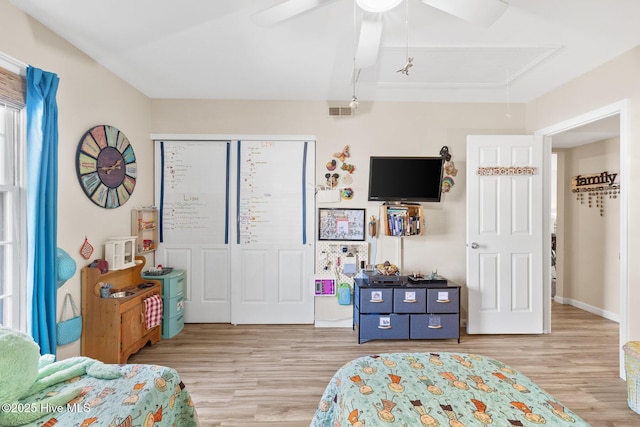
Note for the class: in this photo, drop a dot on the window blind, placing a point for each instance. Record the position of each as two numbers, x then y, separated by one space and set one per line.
12 89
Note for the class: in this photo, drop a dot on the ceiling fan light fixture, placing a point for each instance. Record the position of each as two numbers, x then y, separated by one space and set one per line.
378 6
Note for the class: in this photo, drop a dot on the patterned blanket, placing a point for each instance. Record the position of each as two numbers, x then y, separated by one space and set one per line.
436 389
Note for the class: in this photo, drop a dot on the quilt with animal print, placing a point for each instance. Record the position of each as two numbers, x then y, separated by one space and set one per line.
145 395
436 389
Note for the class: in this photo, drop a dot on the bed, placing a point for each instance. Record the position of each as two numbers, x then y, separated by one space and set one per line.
145 395
436 389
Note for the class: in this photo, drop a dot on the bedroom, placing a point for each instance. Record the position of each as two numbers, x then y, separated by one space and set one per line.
25 39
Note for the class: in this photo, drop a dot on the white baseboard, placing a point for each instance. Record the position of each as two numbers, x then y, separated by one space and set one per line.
342 323
586 307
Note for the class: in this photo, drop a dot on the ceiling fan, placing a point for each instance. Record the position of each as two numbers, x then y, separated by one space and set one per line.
480 12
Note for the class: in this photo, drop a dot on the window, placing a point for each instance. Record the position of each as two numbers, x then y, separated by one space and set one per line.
12 219
13 248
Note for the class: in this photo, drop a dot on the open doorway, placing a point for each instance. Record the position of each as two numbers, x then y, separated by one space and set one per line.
594 122
586 217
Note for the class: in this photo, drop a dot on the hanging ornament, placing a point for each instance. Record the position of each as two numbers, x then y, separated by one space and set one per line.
447 183
86 250
405 69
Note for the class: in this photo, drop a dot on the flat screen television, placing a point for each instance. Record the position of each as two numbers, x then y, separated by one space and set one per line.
405 179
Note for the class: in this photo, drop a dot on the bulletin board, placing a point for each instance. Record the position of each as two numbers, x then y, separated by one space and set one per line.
341 224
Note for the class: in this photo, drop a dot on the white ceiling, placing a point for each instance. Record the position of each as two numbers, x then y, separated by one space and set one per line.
599 130
212 49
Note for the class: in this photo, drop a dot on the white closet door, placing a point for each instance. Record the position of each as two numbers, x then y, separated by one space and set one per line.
272 255
192 192
238 216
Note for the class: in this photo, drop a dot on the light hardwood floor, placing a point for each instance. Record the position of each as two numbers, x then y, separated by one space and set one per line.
274 375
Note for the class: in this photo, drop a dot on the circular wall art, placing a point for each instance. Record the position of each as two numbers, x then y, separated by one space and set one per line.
106 166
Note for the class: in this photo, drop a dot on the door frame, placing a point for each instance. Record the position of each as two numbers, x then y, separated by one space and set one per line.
620 108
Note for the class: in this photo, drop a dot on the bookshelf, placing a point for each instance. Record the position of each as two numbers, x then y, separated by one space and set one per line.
402 220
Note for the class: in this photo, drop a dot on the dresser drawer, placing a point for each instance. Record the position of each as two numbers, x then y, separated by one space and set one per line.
171 327
433 326
172 307
376 300
409 300
384 326
174 285
443 300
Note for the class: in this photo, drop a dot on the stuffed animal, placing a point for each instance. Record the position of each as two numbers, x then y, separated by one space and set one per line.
23 372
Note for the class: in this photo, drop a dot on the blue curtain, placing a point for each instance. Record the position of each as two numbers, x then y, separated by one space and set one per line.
42 205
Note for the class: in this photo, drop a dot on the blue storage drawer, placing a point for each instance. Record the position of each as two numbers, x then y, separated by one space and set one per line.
376 300
443 300
171 327
384 326
172 307
411 300
434 326
174 284
173 294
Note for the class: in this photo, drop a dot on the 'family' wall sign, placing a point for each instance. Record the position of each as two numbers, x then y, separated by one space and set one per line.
596 186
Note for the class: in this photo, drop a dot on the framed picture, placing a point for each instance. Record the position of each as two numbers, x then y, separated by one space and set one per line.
341 224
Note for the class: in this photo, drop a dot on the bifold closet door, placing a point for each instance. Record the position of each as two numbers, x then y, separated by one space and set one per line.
192 193
272 255
238 217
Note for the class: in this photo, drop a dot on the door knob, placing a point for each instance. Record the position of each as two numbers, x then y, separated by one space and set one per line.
475 245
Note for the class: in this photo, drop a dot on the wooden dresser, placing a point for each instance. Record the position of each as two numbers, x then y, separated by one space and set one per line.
114 328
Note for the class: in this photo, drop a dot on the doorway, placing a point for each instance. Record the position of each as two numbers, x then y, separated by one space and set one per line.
619 109
585 224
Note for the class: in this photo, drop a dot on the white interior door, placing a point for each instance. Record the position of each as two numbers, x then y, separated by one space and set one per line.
272 252
505 234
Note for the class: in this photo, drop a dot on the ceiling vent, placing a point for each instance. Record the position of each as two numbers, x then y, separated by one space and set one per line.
340 111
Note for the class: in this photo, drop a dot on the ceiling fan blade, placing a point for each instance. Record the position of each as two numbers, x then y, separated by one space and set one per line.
480 12
285 10
369 40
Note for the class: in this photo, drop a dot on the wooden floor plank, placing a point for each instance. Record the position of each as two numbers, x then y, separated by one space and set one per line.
274 375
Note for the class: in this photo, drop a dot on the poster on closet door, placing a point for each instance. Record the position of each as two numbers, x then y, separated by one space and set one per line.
271 191
194 191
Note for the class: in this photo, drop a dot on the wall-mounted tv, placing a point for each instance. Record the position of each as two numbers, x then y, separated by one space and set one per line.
405 179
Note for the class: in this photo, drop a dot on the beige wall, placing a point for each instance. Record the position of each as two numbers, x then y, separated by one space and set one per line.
88 95
377 129
590 256
610 83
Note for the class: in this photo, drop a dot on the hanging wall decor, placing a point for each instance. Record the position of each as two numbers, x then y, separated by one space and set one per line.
449 169
507 170
106 166
86 249
596 187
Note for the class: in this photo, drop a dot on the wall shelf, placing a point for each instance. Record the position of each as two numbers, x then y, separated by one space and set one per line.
144 225
402 220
